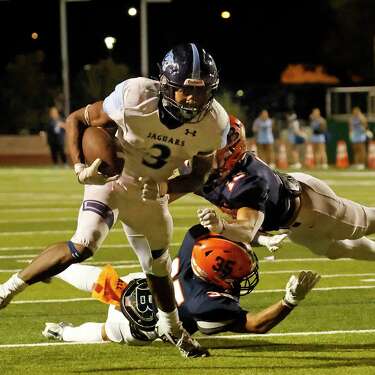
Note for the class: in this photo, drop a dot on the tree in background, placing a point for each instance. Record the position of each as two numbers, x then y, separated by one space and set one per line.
26 93
96 81
233 106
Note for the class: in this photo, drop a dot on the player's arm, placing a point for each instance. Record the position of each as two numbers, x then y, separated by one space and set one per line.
296 290
243 229
91 115
180 185
183 184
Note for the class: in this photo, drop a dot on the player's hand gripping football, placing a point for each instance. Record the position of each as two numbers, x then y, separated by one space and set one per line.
298 286
90 175
209 219
272 243
152 190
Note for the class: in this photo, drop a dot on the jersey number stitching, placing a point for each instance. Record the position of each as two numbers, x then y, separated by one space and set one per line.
160 159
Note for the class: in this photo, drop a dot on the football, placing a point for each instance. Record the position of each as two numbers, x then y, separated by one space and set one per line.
97 143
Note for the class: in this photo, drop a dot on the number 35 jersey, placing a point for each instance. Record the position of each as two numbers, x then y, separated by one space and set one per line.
202 305
149 148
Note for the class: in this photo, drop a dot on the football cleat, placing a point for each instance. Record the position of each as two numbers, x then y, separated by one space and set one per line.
9 289
188 347
55 330
5 297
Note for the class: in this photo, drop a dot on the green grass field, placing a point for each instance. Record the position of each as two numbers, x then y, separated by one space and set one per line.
331 332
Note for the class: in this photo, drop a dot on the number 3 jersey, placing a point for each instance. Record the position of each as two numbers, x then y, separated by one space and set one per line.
150 148
202 305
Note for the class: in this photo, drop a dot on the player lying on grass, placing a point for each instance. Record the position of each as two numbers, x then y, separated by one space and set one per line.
259 198
210 273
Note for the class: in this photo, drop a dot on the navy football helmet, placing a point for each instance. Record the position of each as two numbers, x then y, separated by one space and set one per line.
192 71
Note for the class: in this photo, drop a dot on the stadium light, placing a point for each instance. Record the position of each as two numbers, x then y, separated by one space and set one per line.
64 53
225 14
109 42
144 34
132 12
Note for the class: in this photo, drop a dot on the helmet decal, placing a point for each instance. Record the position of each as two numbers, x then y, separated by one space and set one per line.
233 151
224 263
196 72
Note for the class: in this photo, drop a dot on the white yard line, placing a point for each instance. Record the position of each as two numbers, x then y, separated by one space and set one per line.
42 232
218 337
67 300
114 246
70 218
319 289
316 333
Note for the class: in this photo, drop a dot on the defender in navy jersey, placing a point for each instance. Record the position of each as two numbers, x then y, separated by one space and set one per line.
259 198
210 273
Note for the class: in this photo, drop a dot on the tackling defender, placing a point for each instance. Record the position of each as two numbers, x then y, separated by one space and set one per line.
210 273
258 197
159 125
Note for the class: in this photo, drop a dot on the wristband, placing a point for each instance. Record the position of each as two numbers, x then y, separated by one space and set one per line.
287 304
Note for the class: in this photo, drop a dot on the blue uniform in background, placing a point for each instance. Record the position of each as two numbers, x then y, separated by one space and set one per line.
318 135
202 305
263 128
252 184
358 134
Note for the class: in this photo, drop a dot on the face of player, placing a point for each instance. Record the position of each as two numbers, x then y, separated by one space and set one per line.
192 97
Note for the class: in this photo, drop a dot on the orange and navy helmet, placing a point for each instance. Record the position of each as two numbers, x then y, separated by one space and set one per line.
227 264
228 156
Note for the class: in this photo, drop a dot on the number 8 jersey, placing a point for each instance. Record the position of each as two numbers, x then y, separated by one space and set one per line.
150 148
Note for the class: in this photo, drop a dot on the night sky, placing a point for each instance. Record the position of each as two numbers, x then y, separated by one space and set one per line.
252 47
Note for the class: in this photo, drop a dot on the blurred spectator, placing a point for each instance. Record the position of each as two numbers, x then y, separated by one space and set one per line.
318 138
297 138
357 135
55 133
262 128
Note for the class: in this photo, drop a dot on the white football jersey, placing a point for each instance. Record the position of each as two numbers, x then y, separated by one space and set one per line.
151 149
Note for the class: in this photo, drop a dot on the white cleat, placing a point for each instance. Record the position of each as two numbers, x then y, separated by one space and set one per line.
188 347
9 289
55 330
5 296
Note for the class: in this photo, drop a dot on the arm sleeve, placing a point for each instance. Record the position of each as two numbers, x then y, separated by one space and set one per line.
114 105
219 313
247 191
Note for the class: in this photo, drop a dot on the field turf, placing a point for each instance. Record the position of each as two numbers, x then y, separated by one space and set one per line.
331 332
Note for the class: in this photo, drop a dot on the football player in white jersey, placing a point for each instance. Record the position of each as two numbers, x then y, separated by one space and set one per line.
160 124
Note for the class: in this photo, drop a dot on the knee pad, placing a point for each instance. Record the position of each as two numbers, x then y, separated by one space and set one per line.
160 264
79 256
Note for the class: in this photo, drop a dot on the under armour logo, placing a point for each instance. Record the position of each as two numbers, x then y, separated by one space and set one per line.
193 133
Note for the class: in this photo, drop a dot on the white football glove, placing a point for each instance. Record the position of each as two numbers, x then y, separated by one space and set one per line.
90 175
152 190
298 286
209 219
272 243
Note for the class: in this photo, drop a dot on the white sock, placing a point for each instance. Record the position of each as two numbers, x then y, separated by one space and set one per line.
87 332
14 285
169 321
80 276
